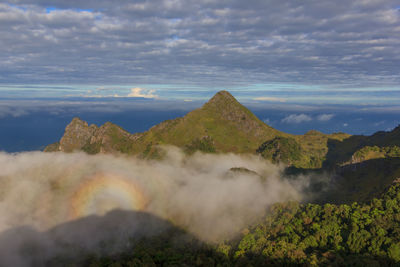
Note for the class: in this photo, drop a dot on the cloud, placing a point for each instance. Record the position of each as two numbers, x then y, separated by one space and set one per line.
140 92
299 118
100 104
267 121
134 92
296 118
325 117
200 194
379 123
272 99
200 42
7 110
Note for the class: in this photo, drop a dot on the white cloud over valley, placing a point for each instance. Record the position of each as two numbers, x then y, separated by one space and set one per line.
296 118
325 117
140 92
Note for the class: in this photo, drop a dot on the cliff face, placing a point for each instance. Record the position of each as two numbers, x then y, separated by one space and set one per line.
76 135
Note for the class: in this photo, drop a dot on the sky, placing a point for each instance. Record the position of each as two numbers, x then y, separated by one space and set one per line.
299 65
318 51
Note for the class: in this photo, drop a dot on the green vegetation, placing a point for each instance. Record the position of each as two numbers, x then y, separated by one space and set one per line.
205 144
93 148
281 149
306 151
221 125
314 146
375 152
335 235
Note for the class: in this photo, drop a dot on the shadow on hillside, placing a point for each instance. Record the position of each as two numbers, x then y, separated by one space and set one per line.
363 181
73 242
360 182
127 238
354 181
330 259
342 151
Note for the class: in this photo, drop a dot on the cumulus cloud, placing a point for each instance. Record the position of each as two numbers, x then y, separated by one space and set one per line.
296 118
140 92
325 117
201 194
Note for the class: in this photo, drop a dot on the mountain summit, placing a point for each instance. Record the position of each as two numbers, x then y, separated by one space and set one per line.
224 105
220 125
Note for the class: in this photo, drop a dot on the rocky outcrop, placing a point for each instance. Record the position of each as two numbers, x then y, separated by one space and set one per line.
108 138
77 134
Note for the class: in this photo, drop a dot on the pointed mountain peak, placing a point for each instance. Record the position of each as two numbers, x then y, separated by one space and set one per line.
223 101
223 107
222 97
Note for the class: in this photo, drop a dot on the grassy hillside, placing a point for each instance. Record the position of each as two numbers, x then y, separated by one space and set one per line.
225 123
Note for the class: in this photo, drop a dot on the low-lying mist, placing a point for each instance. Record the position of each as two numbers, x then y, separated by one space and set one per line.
212 197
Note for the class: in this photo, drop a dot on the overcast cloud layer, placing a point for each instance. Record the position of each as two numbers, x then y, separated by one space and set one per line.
338 43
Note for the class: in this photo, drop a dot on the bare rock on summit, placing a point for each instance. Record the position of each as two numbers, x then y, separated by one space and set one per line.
108 138
76 135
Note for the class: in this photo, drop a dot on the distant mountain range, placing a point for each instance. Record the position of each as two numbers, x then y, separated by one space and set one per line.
223 125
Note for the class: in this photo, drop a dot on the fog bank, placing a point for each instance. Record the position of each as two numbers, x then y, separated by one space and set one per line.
200 194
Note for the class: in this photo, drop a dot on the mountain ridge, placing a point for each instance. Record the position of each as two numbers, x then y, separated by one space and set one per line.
222 114
222 125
